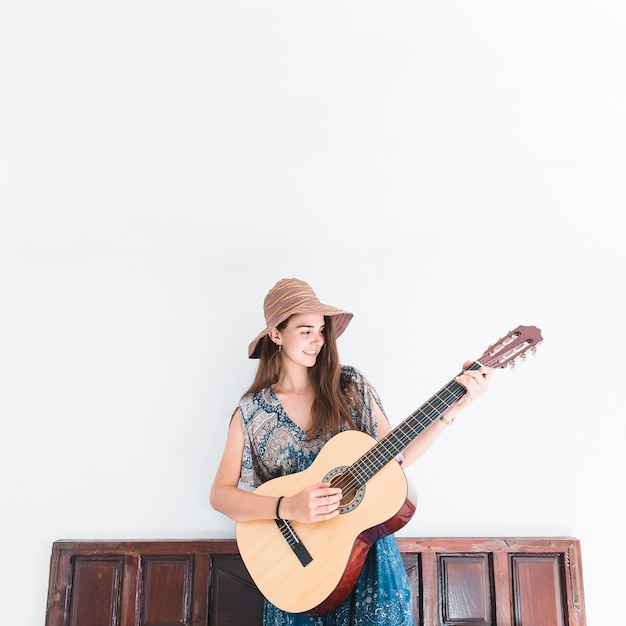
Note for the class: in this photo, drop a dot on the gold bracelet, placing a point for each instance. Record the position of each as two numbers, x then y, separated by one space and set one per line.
447 422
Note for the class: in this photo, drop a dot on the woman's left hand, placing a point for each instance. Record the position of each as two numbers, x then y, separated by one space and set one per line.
476 383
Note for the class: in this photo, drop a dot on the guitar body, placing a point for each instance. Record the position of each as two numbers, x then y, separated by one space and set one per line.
337 547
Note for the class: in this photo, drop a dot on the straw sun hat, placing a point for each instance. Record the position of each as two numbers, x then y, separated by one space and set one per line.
288 297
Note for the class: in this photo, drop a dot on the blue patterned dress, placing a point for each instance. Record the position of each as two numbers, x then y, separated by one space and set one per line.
275 446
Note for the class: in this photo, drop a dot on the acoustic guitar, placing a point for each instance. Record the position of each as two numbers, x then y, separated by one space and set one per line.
312 567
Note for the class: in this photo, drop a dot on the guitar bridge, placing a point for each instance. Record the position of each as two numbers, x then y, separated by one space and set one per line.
291 537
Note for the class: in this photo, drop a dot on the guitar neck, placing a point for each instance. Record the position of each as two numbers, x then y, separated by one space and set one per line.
400 437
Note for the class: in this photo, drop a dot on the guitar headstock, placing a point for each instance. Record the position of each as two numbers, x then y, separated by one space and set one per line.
514 345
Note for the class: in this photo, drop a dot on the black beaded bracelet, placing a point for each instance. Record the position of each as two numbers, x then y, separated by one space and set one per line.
277 507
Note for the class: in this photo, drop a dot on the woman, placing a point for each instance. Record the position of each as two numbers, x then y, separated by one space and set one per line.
300 398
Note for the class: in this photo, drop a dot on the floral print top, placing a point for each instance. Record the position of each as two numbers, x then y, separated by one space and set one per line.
275 446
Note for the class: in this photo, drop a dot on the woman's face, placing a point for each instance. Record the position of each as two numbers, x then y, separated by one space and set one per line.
302 338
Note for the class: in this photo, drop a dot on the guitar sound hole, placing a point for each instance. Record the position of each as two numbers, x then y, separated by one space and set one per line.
352 494
348 496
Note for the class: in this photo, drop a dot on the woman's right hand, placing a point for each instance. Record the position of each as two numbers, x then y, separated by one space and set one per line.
314 504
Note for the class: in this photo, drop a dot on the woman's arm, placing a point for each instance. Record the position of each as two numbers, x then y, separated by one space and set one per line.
316 503
226 496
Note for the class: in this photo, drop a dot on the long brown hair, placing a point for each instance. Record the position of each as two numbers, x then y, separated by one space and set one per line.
336 395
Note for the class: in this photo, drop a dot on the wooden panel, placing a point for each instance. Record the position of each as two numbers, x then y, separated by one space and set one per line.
95 591
538 596
466 589
201 588
235 600
412 565
509 607
502 588
488 581
167 590
131 586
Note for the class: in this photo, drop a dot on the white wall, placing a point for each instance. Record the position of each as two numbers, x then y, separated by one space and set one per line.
445 170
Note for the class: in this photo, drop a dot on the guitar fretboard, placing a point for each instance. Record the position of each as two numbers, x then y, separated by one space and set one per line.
400 437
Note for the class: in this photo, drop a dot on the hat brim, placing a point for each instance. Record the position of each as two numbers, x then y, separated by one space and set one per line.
341 321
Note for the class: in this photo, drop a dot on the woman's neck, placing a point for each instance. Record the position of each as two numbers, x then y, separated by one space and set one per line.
293 388
296 383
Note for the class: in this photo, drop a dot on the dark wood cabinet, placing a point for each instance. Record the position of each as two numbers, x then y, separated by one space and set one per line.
500 581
